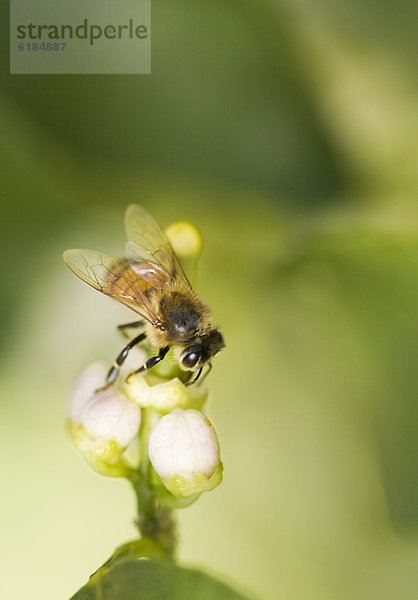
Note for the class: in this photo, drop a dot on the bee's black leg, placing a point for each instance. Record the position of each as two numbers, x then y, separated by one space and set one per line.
196 378
151 362
199 373
132 325
114 369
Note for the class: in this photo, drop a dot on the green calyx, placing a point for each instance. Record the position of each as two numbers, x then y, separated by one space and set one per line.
197 483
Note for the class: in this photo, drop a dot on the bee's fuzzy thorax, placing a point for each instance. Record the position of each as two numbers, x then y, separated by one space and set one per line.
183 315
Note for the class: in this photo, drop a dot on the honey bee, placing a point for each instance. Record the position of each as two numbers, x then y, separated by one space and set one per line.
151 282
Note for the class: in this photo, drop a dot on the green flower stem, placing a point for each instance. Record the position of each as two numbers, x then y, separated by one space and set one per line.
155 520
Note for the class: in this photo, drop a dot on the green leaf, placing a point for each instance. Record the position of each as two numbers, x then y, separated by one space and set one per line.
152 580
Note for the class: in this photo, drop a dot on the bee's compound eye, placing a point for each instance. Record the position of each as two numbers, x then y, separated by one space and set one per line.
190 359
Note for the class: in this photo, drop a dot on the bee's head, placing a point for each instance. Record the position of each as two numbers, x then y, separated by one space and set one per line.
201 350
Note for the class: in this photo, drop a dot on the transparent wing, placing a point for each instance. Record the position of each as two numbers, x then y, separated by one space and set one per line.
116 278
148 242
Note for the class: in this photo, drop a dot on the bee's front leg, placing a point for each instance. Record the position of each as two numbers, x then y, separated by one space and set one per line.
199 374
151 362
196 378
115 368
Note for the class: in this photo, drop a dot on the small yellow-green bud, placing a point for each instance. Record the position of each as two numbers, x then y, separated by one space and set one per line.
186 240
184 451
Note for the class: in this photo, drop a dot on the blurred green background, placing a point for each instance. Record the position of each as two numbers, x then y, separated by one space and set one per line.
287 132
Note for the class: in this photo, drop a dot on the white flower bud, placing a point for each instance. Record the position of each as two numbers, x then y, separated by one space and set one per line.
184 451
102 423
110 415
93 377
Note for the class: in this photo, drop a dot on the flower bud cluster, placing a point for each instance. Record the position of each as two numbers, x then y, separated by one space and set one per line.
160 417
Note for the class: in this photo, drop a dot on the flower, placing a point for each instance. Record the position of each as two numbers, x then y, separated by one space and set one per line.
184 451
103 423
165 396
